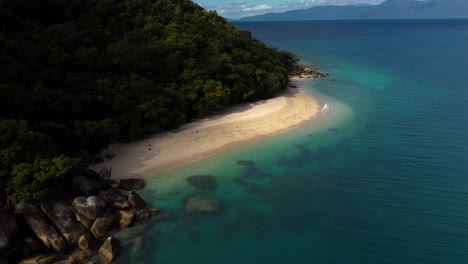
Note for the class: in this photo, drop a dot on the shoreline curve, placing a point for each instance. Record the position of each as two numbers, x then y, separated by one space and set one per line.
235 126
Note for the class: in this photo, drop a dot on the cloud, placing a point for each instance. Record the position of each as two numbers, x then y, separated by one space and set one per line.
242 8
239 3
258 8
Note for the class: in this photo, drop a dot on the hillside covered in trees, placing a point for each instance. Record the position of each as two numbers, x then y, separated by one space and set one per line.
76 75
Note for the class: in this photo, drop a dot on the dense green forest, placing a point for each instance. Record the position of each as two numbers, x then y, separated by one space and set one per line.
76 75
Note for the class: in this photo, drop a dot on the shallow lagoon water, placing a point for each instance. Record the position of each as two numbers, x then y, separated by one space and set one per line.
383 178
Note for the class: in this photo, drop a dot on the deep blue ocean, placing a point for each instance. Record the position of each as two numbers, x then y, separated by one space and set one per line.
382 179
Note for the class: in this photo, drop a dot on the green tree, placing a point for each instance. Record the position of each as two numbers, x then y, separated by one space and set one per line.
34 181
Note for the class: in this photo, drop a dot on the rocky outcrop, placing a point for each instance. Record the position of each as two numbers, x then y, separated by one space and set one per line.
102 225
114 199
61 215
124 217
110 249
82 223
202 203
89 207
203 182
308 71
8 232
86 186
132 184
136 201
37 221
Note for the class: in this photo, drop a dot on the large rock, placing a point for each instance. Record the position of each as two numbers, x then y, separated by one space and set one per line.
145 214
136 201
80 255
103 224
65 261
124 217
203 203
8 232
38 223
88 173
30 246
4 260
203 182
86 186
110 249
83 242
105 174
3 195
114 199
85 221
90 207
39 259
61 215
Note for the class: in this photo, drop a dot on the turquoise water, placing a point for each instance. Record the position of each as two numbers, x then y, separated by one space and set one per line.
383 178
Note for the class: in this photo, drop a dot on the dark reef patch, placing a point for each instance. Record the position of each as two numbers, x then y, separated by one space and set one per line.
245 162
200 203
203 182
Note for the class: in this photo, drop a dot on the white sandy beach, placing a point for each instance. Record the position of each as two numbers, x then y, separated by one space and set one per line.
200 139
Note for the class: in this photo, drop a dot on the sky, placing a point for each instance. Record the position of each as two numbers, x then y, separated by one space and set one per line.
241 8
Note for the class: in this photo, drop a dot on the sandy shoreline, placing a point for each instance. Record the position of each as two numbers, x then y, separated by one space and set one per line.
236 126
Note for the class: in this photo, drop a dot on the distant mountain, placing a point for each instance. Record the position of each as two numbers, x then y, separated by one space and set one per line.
390 9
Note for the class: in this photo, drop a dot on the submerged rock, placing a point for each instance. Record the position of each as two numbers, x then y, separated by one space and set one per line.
90 207
110 249
38 223
203 182
203 203
132 184
8 232
146 214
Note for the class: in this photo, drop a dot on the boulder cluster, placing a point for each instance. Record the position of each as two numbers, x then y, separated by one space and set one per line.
308 71
75 229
